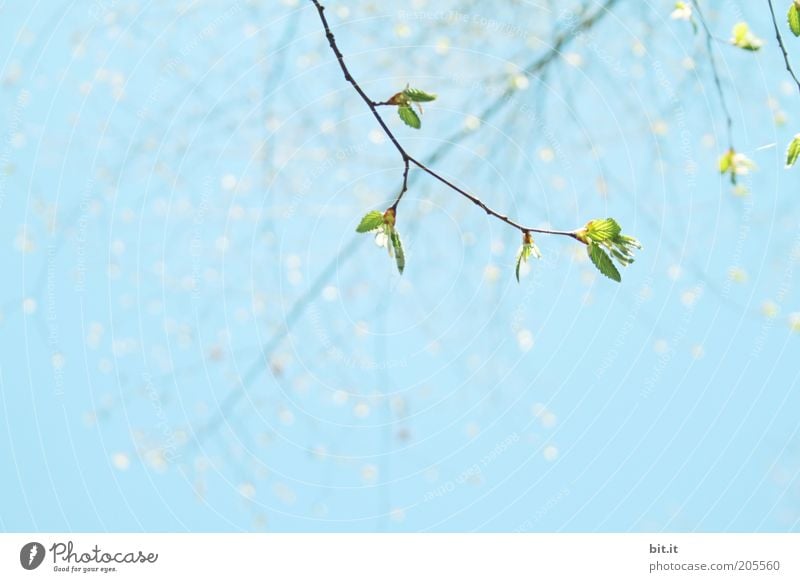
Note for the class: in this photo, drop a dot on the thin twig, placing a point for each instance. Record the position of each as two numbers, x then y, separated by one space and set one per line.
478 202
779 36
713 62
404 188
407 158
349 78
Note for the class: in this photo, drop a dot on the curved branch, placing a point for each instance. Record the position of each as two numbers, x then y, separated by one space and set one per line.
407 158
779 36
258 365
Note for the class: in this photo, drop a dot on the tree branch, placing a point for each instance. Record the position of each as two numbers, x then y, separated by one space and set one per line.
407 158
404 188
713 62
260 363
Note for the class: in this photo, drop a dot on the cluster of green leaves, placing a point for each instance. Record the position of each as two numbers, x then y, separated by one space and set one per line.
526 251
743 37
405 101
794 17
604 240
386 235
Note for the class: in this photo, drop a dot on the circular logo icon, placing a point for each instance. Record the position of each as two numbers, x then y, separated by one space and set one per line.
31 555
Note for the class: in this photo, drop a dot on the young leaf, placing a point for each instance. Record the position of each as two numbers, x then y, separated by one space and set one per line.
603 262
793 151
682 11
371 221
418 95
527 250
409 116
603 236
522 255
398 99
736 164
603 230
399 255
794 19
725 161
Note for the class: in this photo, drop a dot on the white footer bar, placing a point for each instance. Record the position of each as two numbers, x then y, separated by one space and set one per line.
400 557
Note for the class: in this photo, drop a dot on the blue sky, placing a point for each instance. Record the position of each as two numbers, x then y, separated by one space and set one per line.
194 337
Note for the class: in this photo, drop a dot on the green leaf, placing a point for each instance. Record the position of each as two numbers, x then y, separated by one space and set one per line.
418 95
794 19
793 151
725 161
603 262
371 221
630 242
522 255
399 255
603 230
409 116
526 251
